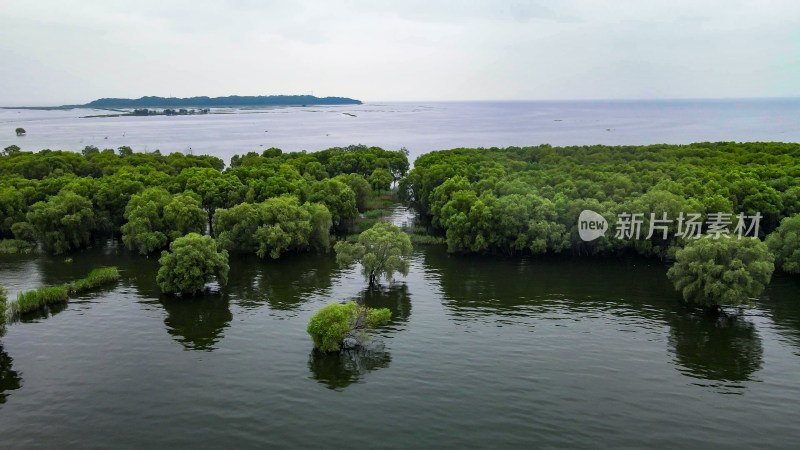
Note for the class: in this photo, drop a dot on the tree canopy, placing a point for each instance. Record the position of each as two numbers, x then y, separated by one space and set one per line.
382 250
191 262
723 272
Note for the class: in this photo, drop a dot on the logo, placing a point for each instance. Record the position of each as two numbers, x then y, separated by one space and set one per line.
591 225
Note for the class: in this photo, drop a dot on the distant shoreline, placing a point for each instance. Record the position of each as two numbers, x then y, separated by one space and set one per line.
232 101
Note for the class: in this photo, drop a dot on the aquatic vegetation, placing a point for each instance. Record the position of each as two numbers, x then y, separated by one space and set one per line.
334 323
16 247
37 299
96 277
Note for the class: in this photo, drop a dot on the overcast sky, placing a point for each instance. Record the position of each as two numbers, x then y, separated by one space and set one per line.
57 52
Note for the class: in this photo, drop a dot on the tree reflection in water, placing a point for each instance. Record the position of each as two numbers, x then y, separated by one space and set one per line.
395 297
337 370
724 348
9 378
197 322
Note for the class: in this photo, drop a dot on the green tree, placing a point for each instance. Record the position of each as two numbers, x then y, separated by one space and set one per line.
723 272
381 179
63 222
273 227
20 131
784 243
155 218
191 262
382 250
216 190
332 324
338 198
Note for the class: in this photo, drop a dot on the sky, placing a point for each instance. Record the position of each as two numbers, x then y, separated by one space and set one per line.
56 52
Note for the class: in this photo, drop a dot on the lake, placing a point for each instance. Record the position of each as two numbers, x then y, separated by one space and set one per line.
481 352
420 127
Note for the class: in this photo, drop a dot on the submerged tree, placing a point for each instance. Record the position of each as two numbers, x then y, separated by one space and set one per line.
155 218
784 243
191 262
62 223
724 272
382 250
20 131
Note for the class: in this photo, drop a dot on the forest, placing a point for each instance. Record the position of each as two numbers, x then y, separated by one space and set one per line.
266 203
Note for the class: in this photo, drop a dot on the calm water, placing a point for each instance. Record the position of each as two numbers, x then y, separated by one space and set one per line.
420 127
481 352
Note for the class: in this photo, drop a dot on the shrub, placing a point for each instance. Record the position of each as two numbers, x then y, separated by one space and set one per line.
191 262
722 272
784 244
331 324
15 247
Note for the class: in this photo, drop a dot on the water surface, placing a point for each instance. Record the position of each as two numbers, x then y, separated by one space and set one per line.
481 351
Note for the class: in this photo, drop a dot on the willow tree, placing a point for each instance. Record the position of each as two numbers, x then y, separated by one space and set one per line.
383 250
784 243
724 272
191 262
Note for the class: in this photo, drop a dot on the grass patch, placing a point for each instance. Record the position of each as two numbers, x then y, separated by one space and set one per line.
96 278
424 239
15 247
44 297
375 213
37 299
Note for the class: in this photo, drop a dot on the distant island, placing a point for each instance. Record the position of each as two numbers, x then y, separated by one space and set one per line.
208 102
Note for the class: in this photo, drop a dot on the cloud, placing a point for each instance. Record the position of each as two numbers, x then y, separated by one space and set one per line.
54 52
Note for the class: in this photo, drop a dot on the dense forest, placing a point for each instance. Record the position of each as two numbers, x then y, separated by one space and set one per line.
527 200
266 203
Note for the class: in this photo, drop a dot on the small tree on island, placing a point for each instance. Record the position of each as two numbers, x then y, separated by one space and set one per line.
382 250
331 325
191 262
20 131
724 272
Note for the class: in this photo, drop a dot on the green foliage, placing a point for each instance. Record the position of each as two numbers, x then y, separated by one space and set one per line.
273 227
331 324
40 298
155 218
338 198
62 223
381 179
110 180
382 250
96 277
723 272
784 243
45 296
526 200
191 262
15 247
